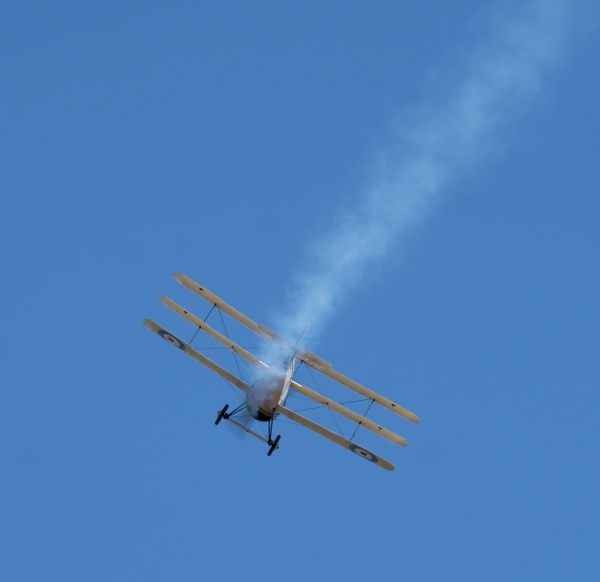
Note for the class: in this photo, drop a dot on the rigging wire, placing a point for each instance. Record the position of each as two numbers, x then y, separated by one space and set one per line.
318 406
205 319
298 368
194 336
223 348
234 389
330 411
364 415
235 359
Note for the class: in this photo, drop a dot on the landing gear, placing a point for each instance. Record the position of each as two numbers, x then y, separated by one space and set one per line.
273 444
222 414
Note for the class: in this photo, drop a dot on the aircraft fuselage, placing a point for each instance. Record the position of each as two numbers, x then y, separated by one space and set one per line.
269 391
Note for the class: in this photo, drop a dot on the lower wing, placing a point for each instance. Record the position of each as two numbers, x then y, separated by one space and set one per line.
336 438
190 351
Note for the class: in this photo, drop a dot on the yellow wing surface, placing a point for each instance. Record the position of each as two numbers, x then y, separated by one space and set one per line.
321 430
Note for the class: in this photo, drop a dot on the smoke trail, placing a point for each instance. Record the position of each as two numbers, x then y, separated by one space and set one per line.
442 143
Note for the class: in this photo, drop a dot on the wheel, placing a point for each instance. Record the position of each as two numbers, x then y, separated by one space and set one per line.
274 445
221 414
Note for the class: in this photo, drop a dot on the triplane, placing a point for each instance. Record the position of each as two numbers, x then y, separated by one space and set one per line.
265 398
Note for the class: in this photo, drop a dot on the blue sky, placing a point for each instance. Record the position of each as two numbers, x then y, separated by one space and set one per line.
223 140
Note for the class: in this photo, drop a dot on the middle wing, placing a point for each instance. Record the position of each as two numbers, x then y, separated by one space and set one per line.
304 390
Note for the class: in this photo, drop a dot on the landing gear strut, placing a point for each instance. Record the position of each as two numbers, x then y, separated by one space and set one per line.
273 443
223 414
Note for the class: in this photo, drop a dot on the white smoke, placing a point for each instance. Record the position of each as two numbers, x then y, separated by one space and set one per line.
441 143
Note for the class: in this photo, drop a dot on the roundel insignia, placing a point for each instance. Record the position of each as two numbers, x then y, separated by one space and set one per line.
171 339
363 453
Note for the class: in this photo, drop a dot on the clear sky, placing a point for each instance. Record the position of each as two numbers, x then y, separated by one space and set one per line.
223 140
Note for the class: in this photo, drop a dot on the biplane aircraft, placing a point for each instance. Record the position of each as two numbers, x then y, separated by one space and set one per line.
265 399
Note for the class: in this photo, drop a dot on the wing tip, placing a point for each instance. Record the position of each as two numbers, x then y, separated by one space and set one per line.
405 413
184 279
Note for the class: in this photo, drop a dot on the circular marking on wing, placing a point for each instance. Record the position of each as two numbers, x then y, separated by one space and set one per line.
363 453
171 339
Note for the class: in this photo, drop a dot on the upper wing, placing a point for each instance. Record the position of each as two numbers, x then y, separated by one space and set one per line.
212 298
308 358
